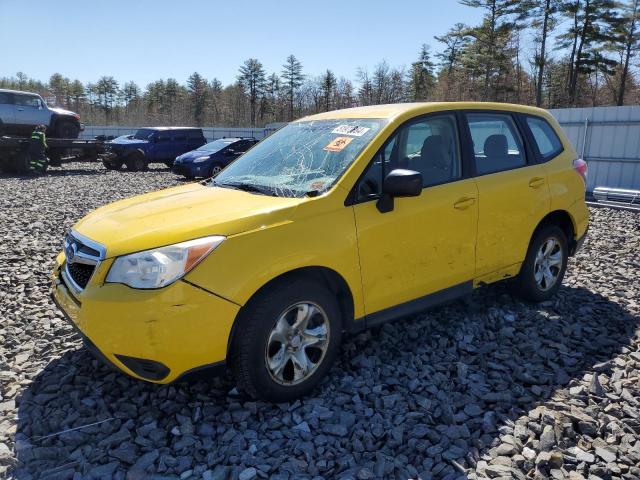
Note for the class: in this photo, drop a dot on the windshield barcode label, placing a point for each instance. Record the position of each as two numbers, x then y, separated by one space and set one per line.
354 130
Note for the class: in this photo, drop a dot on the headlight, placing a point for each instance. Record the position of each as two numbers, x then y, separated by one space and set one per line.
162 266
200 159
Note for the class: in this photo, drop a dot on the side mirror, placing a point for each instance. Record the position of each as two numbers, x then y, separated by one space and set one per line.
399 183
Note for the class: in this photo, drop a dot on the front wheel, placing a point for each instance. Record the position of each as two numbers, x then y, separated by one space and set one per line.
136 162
287 339
216 168
67 130
545 264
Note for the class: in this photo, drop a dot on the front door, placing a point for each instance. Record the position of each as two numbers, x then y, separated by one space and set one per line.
513 193
426 244
29 111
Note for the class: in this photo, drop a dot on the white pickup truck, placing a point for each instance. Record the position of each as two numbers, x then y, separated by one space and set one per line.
20 112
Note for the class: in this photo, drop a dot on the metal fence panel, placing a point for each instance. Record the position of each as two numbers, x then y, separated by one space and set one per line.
608 138
210 133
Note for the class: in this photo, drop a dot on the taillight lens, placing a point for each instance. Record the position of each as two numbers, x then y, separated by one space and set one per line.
580 166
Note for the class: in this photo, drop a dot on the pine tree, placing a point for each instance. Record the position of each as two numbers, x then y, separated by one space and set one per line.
543 14
197 87
455 42
628 34
328 86
293 79
252 80
491 39
422 79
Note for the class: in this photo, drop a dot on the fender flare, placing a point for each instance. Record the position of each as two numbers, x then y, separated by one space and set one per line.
57 117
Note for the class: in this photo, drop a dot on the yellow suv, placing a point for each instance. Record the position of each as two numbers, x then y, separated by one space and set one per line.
337 222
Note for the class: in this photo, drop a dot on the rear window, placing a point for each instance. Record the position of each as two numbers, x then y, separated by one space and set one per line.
549 145
195 134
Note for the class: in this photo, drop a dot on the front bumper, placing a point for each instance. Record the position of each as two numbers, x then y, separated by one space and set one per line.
191 169
154 335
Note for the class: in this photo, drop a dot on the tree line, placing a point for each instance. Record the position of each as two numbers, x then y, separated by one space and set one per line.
549 53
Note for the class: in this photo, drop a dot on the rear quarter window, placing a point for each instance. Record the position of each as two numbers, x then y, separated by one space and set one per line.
545 137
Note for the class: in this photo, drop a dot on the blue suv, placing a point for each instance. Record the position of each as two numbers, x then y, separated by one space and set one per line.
209 159
156 144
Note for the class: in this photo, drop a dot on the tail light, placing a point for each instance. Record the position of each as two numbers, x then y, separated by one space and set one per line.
580 166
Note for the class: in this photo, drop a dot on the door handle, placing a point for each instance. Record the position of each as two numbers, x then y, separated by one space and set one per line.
536 182
464 203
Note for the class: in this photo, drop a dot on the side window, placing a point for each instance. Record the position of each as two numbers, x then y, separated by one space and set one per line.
549 145
180 136
194 135
429 146
164 137
5 99
242 146
27 101
497 146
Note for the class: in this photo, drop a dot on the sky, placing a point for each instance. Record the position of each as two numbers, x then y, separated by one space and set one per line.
144 40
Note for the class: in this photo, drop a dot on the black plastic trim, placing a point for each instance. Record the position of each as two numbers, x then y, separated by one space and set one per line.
411 307
144 367
204 371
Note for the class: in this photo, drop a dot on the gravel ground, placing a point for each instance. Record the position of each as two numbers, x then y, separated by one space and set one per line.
485 387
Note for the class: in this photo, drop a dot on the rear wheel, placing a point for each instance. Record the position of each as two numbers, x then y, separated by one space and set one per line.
136 162
545 264
66 129
287 339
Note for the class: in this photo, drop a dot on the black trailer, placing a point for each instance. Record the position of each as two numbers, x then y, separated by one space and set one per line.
14 152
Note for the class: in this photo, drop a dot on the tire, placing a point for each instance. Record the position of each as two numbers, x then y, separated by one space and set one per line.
112 165
216 168
549 243
66 129
257 340
169 163
136 162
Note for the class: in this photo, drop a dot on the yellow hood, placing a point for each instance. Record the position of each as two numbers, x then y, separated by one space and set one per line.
181 213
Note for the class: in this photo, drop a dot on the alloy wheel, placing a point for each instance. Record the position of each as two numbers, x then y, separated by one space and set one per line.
297 343
548 263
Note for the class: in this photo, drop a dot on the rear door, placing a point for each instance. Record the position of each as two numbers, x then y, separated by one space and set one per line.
7 115
180 143
195 139
512 187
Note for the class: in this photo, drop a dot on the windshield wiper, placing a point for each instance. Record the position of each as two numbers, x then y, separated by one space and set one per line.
247 187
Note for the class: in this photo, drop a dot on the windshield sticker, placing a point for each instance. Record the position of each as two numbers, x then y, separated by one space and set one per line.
354 130
338 144
317 185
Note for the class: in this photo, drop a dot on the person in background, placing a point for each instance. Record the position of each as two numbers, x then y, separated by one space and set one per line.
38 160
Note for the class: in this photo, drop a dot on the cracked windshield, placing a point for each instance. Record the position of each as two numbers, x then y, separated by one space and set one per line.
303 158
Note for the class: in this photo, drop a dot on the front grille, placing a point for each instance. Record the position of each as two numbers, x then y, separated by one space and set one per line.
80 273
82 257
